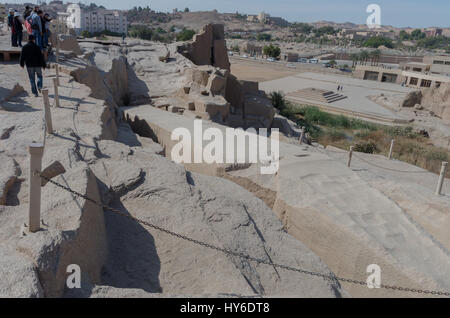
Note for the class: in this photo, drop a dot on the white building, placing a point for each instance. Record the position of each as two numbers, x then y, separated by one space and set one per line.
96 21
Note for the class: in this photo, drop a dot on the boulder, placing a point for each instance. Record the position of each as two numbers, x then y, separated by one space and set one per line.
69 43
437 100
412 99
259 107
217 84
212 106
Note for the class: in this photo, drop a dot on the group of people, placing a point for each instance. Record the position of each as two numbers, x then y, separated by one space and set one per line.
34 53
35 22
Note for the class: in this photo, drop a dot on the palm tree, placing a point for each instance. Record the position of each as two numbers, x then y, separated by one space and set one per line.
363 56
376 54
355 58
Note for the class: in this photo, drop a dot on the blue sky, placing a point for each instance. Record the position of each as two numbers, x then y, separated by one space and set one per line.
414 13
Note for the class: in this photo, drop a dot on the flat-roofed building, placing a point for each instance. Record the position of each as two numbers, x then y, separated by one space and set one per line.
415 67
399 76
438 64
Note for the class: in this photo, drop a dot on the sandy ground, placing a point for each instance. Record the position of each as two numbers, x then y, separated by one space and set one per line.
261 70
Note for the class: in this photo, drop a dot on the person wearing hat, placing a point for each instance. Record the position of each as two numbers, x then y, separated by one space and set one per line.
27 12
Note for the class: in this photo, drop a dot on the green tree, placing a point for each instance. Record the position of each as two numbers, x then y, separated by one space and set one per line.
272 51
355 58
417 34
85 34
404 35
264 37
377 41
185 35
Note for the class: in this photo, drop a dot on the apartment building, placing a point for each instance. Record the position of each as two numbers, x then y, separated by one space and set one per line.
80 20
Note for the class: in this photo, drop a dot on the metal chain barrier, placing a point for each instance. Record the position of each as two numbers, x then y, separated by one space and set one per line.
240 255
389 169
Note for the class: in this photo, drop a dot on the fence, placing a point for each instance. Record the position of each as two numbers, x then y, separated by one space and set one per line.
351 154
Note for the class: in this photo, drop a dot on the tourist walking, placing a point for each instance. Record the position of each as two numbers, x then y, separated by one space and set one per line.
32 57
10 21
35 21
18 29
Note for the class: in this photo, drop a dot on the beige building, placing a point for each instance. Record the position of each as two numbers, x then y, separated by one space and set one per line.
265 18
438 64
252 49
408 77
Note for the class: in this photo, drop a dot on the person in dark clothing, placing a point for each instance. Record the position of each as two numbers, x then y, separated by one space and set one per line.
32 57
18 28
27 12
46 29
10 20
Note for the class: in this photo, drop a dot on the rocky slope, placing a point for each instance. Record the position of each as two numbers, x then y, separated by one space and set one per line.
107 161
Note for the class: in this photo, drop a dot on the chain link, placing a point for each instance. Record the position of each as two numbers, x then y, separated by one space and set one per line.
384 168
237 254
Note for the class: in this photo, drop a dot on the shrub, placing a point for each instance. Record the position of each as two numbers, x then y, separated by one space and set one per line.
367 147
399 131
185 35
377 41
278 100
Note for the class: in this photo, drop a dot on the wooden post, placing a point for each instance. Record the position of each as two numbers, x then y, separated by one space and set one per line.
55 86
441 178
302 135
57 60
57 74
36 151
47 113
391 150
350 155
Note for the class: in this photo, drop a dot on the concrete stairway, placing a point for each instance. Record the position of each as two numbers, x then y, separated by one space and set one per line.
318 95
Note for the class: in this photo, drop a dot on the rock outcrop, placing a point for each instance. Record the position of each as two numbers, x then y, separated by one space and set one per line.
433 99
412 99
208 47
214 92
112 165
437 100
69 43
